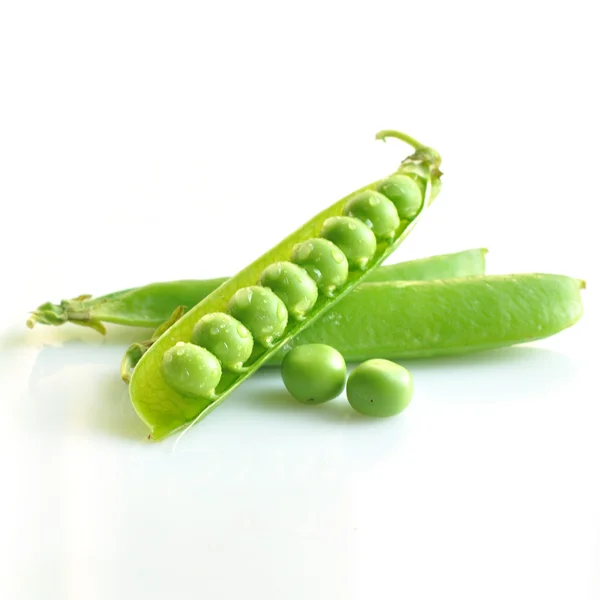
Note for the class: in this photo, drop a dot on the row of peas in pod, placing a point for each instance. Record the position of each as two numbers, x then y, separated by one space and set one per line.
260 313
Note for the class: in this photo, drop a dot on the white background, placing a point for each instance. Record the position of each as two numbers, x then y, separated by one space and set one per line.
152 141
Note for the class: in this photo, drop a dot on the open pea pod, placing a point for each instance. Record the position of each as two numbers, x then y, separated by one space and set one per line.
167 411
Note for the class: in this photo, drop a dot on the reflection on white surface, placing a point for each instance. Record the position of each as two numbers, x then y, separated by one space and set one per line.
317 501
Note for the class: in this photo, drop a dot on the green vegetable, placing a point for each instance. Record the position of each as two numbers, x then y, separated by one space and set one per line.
261 311
229 340
293 285
405 194
353 238
162 408
451 316
191 370
314 373
152 304
379 388
326 264
376 211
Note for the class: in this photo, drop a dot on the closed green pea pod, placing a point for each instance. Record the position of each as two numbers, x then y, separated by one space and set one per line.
151 305
376 211
324 262
261 311
225 337
353 238
190 370
405 194
293 285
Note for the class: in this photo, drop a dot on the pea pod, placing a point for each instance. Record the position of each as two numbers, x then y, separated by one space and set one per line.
151 305
419 319
166 411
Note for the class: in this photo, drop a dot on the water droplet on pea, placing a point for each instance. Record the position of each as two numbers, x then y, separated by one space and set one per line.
214 330
242 331
338 256
351 226
180 352
373 201
281 312
304 251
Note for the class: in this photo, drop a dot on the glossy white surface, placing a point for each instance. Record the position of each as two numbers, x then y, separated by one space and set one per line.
143 144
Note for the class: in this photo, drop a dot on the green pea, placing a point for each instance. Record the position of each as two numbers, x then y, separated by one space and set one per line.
405 193
324 262
314 373
376 211
261 311
191 370
293 285
225 337
353 238
379 388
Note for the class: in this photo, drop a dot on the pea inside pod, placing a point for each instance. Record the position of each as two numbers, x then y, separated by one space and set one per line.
405 194
293 285
353 238
191 370
261 311
229 340
324 262
376 211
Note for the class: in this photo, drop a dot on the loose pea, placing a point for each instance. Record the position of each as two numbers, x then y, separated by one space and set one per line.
404 192
352 237
379 388
293 285
191 370
376 211
225 337
324 262
261 311
314 373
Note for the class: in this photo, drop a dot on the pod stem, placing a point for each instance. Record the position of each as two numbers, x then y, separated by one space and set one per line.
422 152
68 311
391 133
